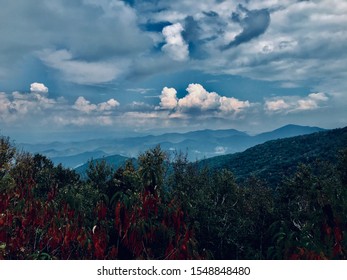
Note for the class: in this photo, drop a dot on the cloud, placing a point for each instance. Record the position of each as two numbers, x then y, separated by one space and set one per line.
140 90
108 105
320 96
276 105
220 150
82 121
38 88
34 109
199 99
175 46
229 104
84 105
290 104
168 99
96 35
137 106
77 71
288 39
254 23
193 34
295 44
23 106
300 39
312 101
5 105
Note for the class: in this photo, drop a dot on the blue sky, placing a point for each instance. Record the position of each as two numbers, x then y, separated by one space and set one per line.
101 68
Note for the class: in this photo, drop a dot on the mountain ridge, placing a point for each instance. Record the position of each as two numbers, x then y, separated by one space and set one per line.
199 144
270 160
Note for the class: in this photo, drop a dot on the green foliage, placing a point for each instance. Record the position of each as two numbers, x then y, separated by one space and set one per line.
152 168
125 179
311 208
275 159
157 209
7 153
99 173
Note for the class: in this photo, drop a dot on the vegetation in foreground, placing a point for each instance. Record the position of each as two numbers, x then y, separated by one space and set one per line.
168 209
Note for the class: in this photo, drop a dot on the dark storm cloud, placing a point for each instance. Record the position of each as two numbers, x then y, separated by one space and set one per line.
254 24
191 35
192 29
194 34
155 26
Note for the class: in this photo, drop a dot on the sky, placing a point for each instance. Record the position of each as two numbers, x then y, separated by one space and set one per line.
87 69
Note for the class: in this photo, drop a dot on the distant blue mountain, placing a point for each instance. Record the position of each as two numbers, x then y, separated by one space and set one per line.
289 130
198 144
79 159
114 161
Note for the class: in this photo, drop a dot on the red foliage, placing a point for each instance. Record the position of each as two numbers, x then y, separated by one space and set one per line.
148 229
141 227
332 238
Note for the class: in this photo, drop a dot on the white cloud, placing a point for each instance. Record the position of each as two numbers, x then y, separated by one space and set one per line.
168 98
108 105
320 96
276 105
306 104
38 88
175 46
39 110
229 104
19 106
312 101
199 99
289 104
84 105
4 107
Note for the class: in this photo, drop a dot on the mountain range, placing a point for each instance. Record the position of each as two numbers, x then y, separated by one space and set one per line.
275 160
198 144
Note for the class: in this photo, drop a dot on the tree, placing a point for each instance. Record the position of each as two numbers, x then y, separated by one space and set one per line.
7 153
152 169
311 210
99 173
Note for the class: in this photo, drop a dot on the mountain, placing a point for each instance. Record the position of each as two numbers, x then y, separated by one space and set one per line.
198 144
289 130
115 161
79 159
274 159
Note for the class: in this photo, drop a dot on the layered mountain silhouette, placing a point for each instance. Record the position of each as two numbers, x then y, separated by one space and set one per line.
197 144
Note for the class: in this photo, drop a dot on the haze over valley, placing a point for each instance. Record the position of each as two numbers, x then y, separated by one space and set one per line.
196 144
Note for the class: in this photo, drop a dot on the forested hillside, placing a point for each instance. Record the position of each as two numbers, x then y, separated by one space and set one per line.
275 159
172 209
